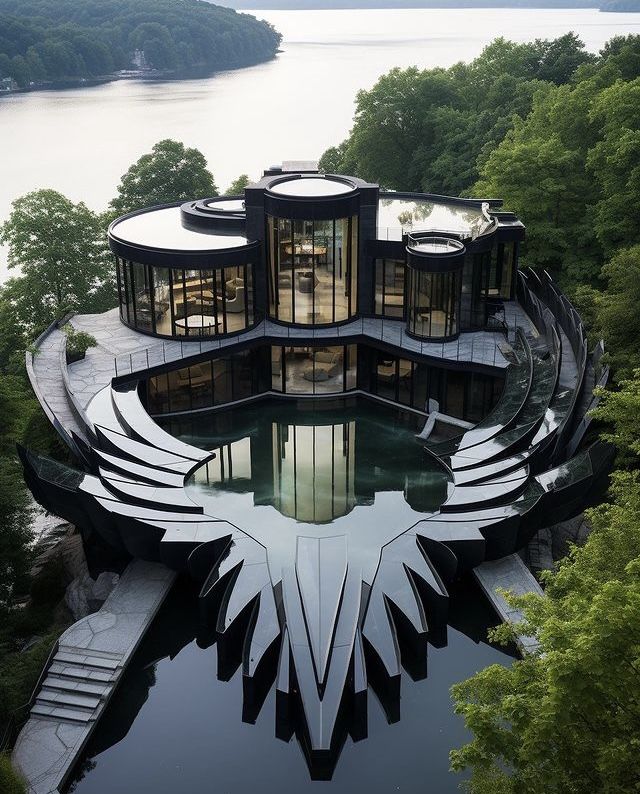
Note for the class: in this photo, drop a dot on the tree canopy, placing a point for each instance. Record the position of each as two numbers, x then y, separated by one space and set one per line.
61 251
236 188
44 40
549 128
567 718
170 172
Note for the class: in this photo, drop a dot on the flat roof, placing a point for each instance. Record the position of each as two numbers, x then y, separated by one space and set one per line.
162 228
396 215
311 187
226 205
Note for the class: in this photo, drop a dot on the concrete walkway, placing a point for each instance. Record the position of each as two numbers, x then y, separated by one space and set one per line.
91 658
510 574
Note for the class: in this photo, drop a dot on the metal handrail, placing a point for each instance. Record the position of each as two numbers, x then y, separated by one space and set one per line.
390 330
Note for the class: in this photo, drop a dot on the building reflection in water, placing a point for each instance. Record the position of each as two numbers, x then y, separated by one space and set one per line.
319 467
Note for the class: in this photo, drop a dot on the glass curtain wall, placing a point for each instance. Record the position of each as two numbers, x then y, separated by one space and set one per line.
389 288
465 395
179 302
497 272
208 384
312 270
300 371
433 303
308 370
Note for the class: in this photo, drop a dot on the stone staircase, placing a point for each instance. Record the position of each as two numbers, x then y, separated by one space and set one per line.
77 685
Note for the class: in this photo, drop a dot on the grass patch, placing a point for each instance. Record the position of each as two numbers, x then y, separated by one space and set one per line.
10 780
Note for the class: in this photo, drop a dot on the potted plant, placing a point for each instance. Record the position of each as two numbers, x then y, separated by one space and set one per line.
78 342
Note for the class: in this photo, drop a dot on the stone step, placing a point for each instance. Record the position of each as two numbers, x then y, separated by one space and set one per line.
60 698
53 681
61 713
88 660
77 673
80 651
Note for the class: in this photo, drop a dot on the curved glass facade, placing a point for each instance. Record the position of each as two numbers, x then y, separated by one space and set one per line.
181 302
433 303
312 270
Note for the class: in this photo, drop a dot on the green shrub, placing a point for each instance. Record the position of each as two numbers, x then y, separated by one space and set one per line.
78 341
10 780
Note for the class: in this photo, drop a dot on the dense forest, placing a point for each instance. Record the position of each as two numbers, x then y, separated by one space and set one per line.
555 132
48 40
603 5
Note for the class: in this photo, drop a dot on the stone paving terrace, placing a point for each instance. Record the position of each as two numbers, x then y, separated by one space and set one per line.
122 351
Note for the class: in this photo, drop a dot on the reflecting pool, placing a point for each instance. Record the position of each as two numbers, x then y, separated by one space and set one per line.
284 469
287 473
172 726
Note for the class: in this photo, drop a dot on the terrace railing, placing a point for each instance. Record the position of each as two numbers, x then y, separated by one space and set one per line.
468 347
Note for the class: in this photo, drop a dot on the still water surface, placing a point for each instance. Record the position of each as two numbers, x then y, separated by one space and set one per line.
173 728
284 469
81 141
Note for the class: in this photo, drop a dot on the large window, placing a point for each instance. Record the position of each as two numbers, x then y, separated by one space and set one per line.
208 383
312 270
389 292
180 302
323 371
465 395
314 370
433 304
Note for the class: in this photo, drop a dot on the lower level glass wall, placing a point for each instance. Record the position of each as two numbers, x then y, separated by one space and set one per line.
324 370
313 370
465 395
208 384
433 303
179 302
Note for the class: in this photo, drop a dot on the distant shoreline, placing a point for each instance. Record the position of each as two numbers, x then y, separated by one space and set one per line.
151 75
615 6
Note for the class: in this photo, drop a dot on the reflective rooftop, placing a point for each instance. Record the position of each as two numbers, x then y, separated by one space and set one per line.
398 215
162 228
226 205
310 187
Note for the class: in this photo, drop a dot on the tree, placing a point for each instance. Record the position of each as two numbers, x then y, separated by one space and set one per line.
169 173
620 410
616 311
614 162
236 188
543 180
61 252
15 509
567 718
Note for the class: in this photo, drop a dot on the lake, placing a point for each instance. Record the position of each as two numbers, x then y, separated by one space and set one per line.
80 141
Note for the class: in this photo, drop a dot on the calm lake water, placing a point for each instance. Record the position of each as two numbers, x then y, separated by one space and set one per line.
81 141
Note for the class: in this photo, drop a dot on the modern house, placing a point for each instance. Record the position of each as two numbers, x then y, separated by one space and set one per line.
315 288
317 254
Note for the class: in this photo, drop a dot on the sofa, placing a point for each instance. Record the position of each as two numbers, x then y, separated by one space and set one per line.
326 364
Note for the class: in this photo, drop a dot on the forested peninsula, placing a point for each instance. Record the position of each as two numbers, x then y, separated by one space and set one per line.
45 41
308 5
